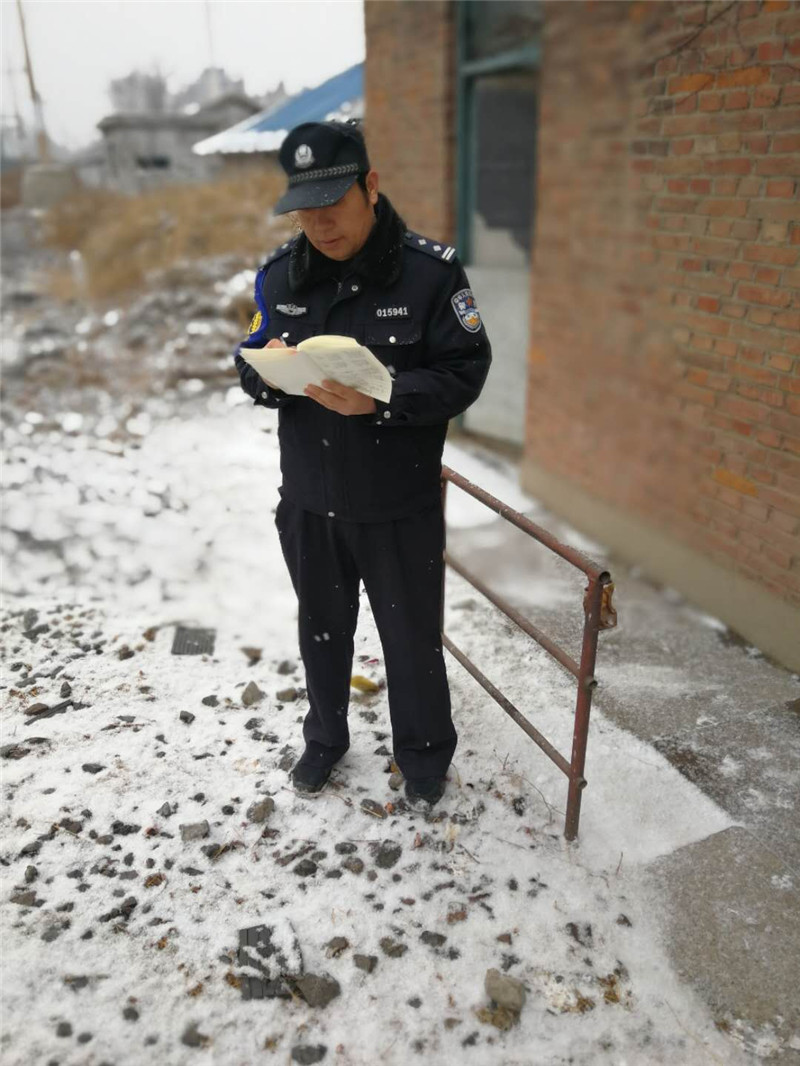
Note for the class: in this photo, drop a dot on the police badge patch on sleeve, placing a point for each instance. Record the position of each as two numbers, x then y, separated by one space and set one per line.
466 310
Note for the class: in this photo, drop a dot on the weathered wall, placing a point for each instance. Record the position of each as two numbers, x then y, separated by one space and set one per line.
410 109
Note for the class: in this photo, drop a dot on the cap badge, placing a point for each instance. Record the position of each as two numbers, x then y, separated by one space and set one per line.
303 156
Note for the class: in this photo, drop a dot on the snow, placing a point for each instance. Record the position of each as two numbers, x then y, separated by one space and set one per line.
177 528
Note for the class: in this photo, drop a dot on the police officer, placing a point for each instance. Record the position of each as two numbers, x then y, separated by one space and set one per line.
361 494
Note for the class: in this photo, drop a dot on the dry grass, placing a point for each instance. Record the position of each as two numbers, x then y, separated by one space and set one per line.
122 239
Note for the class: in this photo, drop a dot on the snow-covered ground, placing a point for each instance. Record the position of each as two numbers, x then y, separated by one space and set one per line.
122 945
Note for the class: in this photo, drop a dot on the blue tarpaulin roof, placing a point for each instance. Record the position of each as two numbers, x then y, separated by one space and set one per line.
339 96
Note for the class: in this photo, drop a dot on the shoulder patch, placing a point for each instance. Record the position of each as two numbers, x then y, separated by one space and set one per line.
438 249
466 310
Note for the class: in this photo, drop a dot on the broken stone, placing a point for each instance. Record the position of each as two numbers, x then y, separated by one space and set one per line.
166 810
306 1055
286 667
305 868
187 717
37 708
261 810
193 1038
393 948
370 806
92 767
353 864
123 829
14 751
210 701
506 991
252 694
317 991
345 848
286 695
388 854
31 873
500 1017
195 831
335 947
435 940
367 963
253 723
396 781
25 899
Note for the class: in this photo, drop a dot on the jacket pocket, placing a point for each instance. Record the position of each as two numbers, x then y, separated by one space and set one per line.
292 331
397 344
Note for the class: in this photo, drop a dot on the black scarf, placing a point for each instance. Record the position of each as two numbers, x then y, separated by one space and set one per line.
379 259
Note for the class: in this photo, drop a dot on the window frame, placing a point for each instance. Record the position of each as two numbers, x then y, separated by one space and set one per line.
526 57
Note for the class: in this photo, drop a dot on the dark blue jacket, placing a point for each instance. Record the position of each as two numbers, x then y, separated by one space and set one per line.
406 298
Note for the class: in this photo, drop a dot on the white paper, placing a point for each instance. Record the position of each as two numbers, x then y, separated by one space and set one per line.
340 359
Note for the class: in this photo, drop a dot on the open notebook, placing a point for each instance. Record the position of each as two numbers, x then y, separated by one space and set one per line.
340 359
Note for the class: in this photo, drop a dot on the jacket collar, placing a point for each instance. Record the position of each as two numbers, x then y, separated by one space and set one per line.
380 260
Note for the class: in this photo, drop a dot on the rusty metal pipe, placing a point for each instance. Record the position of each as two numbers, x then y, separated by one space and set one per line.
549 645
510 709
572 555
591 629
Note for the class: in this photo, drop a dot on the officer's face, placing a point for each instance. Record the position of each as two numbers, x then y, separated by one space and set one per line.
340 230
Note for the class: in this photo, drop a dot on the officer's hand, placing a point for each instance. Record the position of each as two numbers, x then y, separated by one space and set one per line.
274 343
342 399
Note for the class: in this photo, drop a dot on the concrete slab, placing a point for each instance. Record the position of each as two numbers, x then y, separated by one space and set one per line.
731 914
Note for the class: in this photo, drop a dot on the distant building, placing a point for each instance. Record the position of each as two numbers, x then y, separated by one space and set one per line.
148 149
139 92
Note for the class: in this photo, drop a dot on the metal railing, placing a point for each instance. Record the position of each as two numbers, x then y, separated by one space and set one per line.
598 612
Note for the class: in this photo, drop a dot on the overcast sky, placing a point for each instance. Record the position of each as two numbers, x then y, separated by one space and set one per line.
78 46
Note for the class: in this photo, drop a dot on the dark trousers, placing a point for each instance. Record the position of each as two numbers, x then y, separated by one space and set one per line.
400 563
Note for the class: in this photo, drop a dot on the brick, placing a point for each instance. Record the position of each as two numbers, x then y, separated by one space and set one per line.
744 76
788 320
732 208
742 165
742 409
781 164
769 437
783 363
758 294
766 96
709 101
767 275
783 118
786 142
768 51
690 83
766 209
736 101
785 189
763 253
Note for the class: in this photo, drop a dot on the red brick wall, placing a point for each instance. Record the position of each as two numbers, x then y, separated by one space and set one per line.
665 358
664 368
410 108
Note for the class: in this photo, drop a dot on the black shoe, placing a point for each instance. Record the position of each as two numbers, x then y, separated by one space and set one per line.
428 789
306 778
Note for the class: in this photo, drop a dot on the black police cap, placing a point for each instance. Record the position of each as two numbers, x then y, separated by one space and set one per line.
322 159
